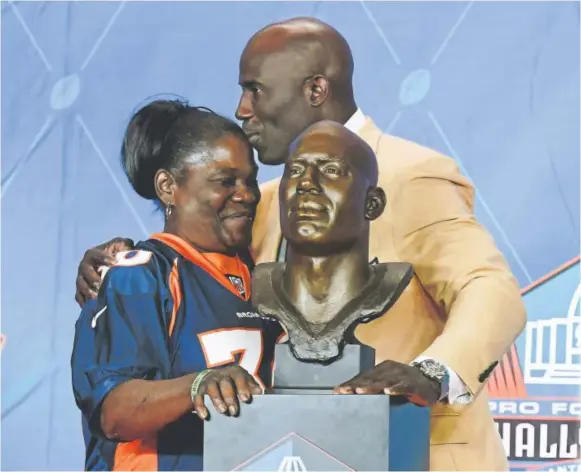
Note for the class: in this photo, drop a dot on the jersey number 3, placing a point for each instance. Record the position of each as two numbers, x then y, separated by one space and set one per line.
222 345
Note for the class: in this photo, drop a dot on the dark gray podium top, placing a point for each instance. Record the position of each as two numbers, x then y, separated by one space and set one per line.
290 373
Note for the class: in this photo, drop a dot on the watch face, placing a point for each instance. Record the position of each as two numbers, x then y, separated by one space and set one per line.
433 369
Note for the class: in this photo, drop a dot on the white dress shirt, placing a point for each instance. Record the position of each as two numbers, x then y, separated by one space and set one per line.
458 392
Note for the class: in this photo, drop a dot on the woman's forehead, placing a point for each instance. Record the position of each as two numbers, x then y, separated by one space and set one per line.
231 164
227 151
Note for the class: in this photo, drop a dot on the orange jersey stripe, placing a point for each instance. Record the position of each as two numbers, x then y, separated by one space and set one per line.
176 293
136 455
217 265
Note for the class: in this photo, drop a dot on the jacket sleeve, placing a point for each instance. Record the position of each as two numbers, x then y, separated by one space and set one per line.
458 263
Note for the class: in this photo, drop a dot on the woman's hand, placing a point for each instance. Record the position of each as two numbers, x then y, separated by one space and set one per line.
224 387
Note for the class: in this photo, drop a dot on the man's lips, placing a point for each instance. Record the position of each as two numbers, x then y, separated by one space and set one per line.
253 139
252 136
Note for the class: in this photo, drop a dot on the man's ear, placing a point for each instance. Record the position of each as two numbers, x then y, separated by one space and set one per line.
375 203
165 187
316 90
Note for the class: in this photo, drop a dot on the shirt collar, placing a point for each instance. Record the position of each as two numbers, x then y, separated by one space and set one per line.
356 122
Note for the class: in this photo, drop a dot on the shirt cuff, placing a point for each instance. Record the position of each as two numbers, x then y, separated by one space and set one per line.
458 392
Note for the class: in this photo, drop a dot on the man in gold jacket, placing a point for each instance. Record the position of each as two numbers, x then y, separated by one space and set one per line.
463 309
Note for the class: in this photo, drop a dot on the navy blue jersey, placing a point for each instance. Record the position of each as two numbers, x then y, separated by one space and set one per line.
164 311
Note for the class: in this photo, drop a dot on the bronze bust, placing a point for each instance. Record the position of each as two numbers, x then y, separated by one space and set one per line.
328 197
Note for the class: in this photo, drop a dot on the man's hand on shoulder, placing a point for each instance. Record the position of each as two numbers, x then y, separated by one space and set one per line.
88 277
394 378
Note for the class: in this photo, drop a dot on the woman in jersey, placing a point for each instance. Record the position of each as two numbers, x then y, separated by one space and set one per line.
173 315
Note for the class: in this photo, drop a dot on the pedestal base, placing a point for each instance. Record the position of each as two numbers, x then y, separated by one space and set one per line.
319 431
291 373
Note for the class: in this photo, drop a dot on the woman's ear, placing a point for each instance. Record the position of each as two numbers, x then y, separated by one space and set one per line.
165 187
375 203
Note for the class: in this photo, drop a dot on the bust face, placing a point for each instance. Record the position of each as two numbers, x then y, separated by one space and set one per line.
323 193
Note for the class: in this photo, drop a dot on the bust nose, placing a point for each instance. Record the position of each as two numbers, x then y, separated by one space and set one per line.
309 181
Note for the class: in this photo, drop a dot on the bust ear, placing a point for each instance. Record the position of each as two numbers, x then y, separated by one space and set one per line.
375 203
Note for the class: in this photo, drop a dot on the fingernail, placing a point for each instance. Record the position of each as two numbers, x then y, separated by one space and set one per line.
222 409
244 397
232 410
387 391
93 294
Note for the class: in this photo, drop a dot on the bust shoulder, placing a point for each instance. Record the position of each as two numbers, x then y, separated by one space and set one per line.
262 288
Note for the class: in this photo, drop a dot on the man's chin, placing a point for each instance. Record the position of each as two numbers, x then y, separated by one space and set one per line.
309 232
316 242
306 235
270 159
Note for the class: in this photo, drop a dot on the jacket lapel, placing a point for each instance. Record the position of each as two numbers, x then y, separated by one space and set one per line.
266 234
371 134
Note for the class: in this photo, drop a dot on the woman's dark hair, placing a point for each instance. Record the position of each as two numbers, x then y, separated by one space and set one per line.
162 134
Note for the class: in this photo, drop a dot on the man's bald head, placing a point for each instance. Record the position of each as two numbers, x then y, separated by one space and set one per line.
310 44
293 73
328 193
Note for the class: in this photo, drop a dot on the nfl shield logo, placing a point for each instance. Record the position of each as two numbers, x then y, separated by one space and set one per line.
238 284
293 453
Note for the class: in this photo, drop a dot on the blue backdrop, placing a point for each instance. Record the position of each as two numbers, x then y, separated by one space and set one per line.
494 85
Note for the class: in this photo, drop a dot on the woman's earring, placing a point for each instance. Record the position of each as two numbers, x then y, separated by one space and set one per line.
168 210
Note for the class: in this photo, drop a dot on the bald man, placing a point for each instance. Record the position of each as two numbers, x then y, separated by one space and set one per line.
463 309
